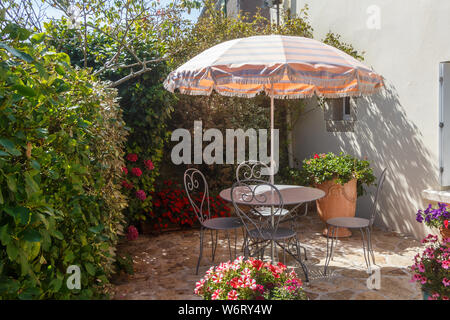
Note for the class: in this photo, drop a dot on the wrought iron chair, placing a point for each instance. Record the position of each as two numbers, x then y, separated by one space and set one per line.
263 230
363 224
253 169
197 191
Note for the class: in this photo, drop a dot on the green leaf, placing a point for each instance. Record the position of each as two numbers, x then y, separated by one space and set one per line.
10 146
35 165
31 235
56 284
96 229
30 293
58 235
32 186
24 90
90 268
20 214
5 238
11 182
60 70
38 37
17 53
12 251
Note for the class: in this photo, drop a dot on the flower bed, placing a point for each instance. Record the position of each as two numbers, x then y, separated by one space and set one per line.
432 268
250 279
171 207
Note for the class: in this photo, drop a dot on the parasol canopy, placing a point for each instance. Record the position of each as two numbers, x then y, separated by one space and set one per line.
281 66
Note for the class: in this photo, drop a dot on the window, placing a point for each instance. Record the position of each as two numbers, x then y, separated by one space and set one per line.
340 115
346 109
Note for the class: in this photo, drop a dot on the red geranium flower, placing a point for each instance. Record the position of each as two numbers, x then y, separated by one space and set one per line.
136 171
446 224
125 170
127 185
316 156
132 157
149 164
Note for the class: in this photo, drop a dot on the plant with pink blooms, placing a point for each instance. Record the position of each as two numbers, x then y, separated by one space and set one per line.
138 183
250 279
432 268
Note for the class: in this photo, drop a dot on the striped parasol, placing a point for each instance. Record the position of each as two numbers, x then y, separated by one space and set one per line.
281 66
297 67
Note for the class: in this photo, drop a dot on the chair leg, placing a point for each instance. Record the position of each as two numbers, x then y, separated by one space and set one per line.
369 237
330 249
245 247
366 254
201 249
235 243
304 251
214 244
299 259
229 244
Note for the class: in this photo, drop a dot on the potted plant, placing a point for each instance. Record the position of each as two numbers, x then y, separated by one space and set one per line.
436 217
432 269
341 177
250 279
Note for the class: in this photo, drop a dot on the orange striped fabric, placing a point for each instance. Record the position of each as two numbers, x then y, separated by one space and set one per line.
285 66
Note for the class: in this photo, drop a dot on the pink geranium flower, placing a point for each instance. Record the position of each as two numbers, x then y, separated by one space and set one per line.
132 233
140 194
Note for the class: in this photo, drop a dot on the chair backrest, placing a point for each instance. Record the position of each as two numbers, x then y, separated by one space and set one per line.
198 193
252 169
255 195
374 211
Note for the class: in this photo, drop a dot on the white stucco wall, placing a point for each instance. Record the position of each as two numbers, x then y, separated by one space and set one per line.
397 128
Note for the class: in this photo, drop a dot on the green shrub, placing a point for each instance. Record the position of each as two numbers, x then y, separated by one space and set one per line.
61 140
341 168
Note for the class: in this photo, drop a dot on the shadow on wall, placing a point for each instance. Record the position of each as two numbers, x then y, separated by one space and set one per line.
387 138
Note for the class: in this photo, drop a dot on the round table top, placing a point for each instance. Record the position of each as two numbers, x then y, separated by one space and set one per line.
291 195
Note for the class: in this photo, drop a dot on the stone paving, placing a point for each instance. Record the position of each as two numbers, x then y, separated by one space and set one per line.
165 265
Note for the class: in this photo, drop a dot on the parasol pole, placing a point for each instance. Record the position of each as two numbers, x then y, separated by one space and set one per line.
272 169
272 107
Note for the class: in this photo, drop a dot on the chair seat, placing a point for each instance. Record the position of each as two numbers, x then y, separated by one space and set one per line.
348 222
267 211
266 234
223 223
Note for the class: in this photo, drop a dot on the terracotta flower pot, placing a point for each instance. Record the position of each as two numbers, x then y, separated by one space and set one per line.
339 201
445 232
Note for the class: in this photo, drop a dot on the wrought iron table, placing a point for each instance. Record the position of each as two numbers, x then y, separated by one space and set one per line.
291 196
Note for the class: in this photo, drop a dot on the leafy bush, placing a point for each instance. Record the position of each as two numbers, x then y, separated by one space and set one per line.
250 279
341 168
61 139
146 105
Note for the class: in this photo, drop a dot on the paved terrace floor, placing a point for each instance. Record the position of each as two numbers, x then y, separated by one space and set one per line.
165 265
